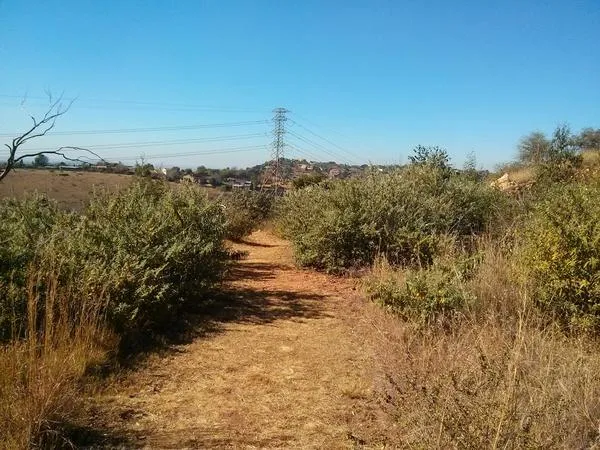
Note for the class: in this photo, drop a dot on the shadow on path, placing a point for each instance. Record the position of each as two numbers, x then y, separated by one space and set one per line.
244 305
257 244
255 271
202 318
207 315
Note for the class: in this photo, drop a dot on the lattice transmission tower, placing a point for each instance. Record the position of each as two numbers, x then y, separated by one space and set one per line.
275 175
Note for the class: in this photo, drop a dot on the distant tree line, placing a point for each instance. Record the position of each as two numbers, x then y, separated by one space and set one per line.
538 148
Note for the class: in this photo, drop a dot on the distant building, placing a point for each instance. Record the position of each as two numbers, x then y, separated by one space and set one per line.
241 184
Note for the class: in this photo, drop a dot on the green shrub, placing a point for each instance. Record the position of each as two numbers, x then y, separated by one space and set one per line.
400 215
149 248
245 211
560 254
423 295
563 160
24 226
308 180
141 253
559 171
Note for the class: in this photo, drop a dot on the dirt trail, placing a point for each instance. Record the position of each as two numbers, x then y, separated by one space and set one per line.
280 365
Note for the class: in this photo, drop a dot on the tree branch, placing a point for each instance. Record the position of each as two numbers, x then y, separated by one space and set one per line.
41 128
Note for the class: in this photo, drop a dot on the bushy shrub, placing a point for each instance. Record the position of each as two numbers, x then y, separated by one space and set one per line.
24 225
435 294
563 158
400 215
560 254
142 253
433 156
308 180
149 249
244 211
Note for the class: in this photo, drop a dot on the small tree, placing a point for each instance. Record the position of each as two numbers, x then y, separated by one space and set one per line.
144 169
174 173
39 128
534 148
470 167
432 156
41 160
589 139
563 145
308 180
563 157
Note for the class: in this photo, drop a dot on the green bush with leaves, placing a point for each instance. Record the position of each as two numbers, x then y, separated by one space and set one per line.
151 248
24 227
143 253
560 254
308 180
401 215
562 159
244 211
433 295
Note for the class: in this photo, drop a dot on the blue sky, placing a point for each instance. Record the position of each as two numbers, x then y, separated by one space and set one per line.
374 78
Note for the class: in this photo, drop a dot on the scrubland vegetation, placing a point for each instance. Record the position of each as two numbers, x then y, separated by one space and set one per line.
492 298
245 211
76 287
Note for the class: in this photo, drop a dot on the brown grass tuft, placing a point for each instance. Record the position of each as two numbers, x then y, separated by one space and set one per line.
501 377
38 381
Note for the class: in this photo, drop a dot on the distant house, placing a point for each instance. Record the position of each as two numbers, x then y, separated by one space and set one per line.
241 184
305 168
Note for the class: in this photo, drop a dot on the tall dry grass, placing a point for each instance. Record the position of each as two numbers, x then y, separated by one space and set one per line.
501 376
40 371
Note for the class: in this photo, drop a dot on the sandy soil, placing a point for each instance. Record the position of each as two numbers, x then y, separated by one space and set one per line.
281 364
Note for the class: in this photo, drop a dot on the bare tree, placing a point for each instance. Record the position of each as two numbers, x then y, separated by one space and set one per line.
589 139
39 128
534 148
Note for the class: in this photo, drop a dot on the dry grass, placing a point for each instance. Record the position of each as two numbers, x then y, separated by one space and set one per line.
71 189
276 364
488 386
522 175
591 158
38 381
500 378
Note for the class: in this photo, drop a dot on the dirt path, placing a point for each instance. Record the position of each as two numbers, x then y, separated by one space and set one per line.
279 366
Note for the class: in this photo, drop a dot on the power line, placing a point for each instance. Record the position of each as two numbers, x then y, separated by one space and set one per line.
138 104
196 153
305 153
200 153
162 143
321 127
320 147
348 152
149 129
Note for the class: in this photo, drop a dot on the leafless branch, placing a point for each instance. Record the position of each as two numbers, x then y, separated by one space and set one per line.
38 129
61 152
